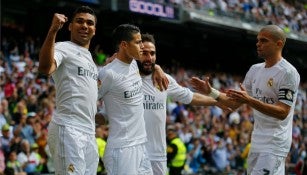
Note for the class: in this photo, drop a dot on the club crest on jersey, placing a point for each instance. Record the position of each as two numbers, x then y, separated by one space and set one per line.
71 168
286 94
270 82
289 95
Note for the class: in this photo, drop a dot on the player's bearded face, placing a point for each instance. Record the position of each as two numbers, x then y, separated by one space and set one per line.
147 60
145 67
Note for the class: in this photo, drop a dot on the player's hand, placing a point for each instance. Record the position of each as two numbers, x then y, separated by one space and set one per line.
225 108
202 86
159 78
111 58
57 22
238 95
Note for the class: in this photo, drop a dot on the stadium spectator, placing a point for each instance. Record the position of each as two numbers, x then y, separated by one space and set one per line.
289 15
14 164
28 158
24 129
2 117
195 159
101 136
2 161
219 155
5 139
176 152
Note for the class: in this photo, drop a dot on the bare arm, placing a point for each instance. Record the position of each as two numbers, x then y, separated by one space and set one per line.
278 110
204 100
204 87
199 99
47 64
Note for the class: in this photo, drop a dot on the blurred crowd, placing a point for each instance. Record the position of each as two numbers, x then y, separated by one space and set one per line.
27 104
217 141
289 14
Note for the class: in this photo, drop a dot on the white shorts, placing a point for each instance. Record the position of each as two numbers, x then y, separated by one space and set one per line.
131 160
159 167
265 164
73 152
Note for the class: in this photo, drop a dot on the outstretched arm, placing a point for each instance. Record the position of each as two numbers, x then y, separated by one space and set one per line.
47 64
204 100
204 87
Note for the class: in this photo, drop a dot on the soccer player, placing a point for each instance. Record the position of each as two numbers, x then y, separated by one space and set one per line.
71 133
121 91
270 88
154 103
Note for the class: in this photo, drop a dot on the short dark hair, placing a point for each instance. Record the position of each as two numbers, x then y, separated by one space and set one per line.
146 37
124 32
84 9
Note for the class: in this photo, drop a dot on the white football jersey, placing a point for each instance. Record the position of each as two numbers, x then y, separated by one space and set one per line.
76 87
154 103
270 85
121 91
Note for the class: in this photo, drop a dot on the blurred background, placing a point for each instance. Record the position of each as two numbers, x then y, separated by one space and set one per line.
204 34
216 38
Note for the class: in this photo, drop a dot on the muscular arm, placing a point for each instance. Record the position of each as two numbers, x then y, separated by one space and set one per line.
202 100
278 110
199 99
204 87
47 64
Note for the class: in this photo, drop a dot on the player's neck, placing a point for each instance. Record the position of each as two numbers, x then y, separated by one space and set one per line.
124 58
269 62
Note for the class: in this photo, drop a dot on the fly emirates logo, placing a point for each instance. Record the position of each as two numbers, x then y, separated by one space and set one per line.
136 89
150 103
90 71
259 96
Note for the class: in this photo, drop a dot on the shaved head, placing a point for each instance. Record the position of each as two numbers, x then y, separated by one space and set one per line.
276 33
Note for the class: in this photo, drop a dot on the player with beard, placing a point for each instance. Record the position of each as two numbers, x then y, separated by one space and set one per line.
121 92
154 103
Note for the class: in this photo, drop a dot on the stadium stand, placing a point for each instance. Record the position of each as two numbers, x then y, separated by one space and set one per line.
27 98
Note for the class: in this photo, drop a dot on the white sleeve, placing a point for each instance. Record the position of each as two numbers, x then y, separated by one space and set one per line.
247 83
288 88
177 92
105 77
59 53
